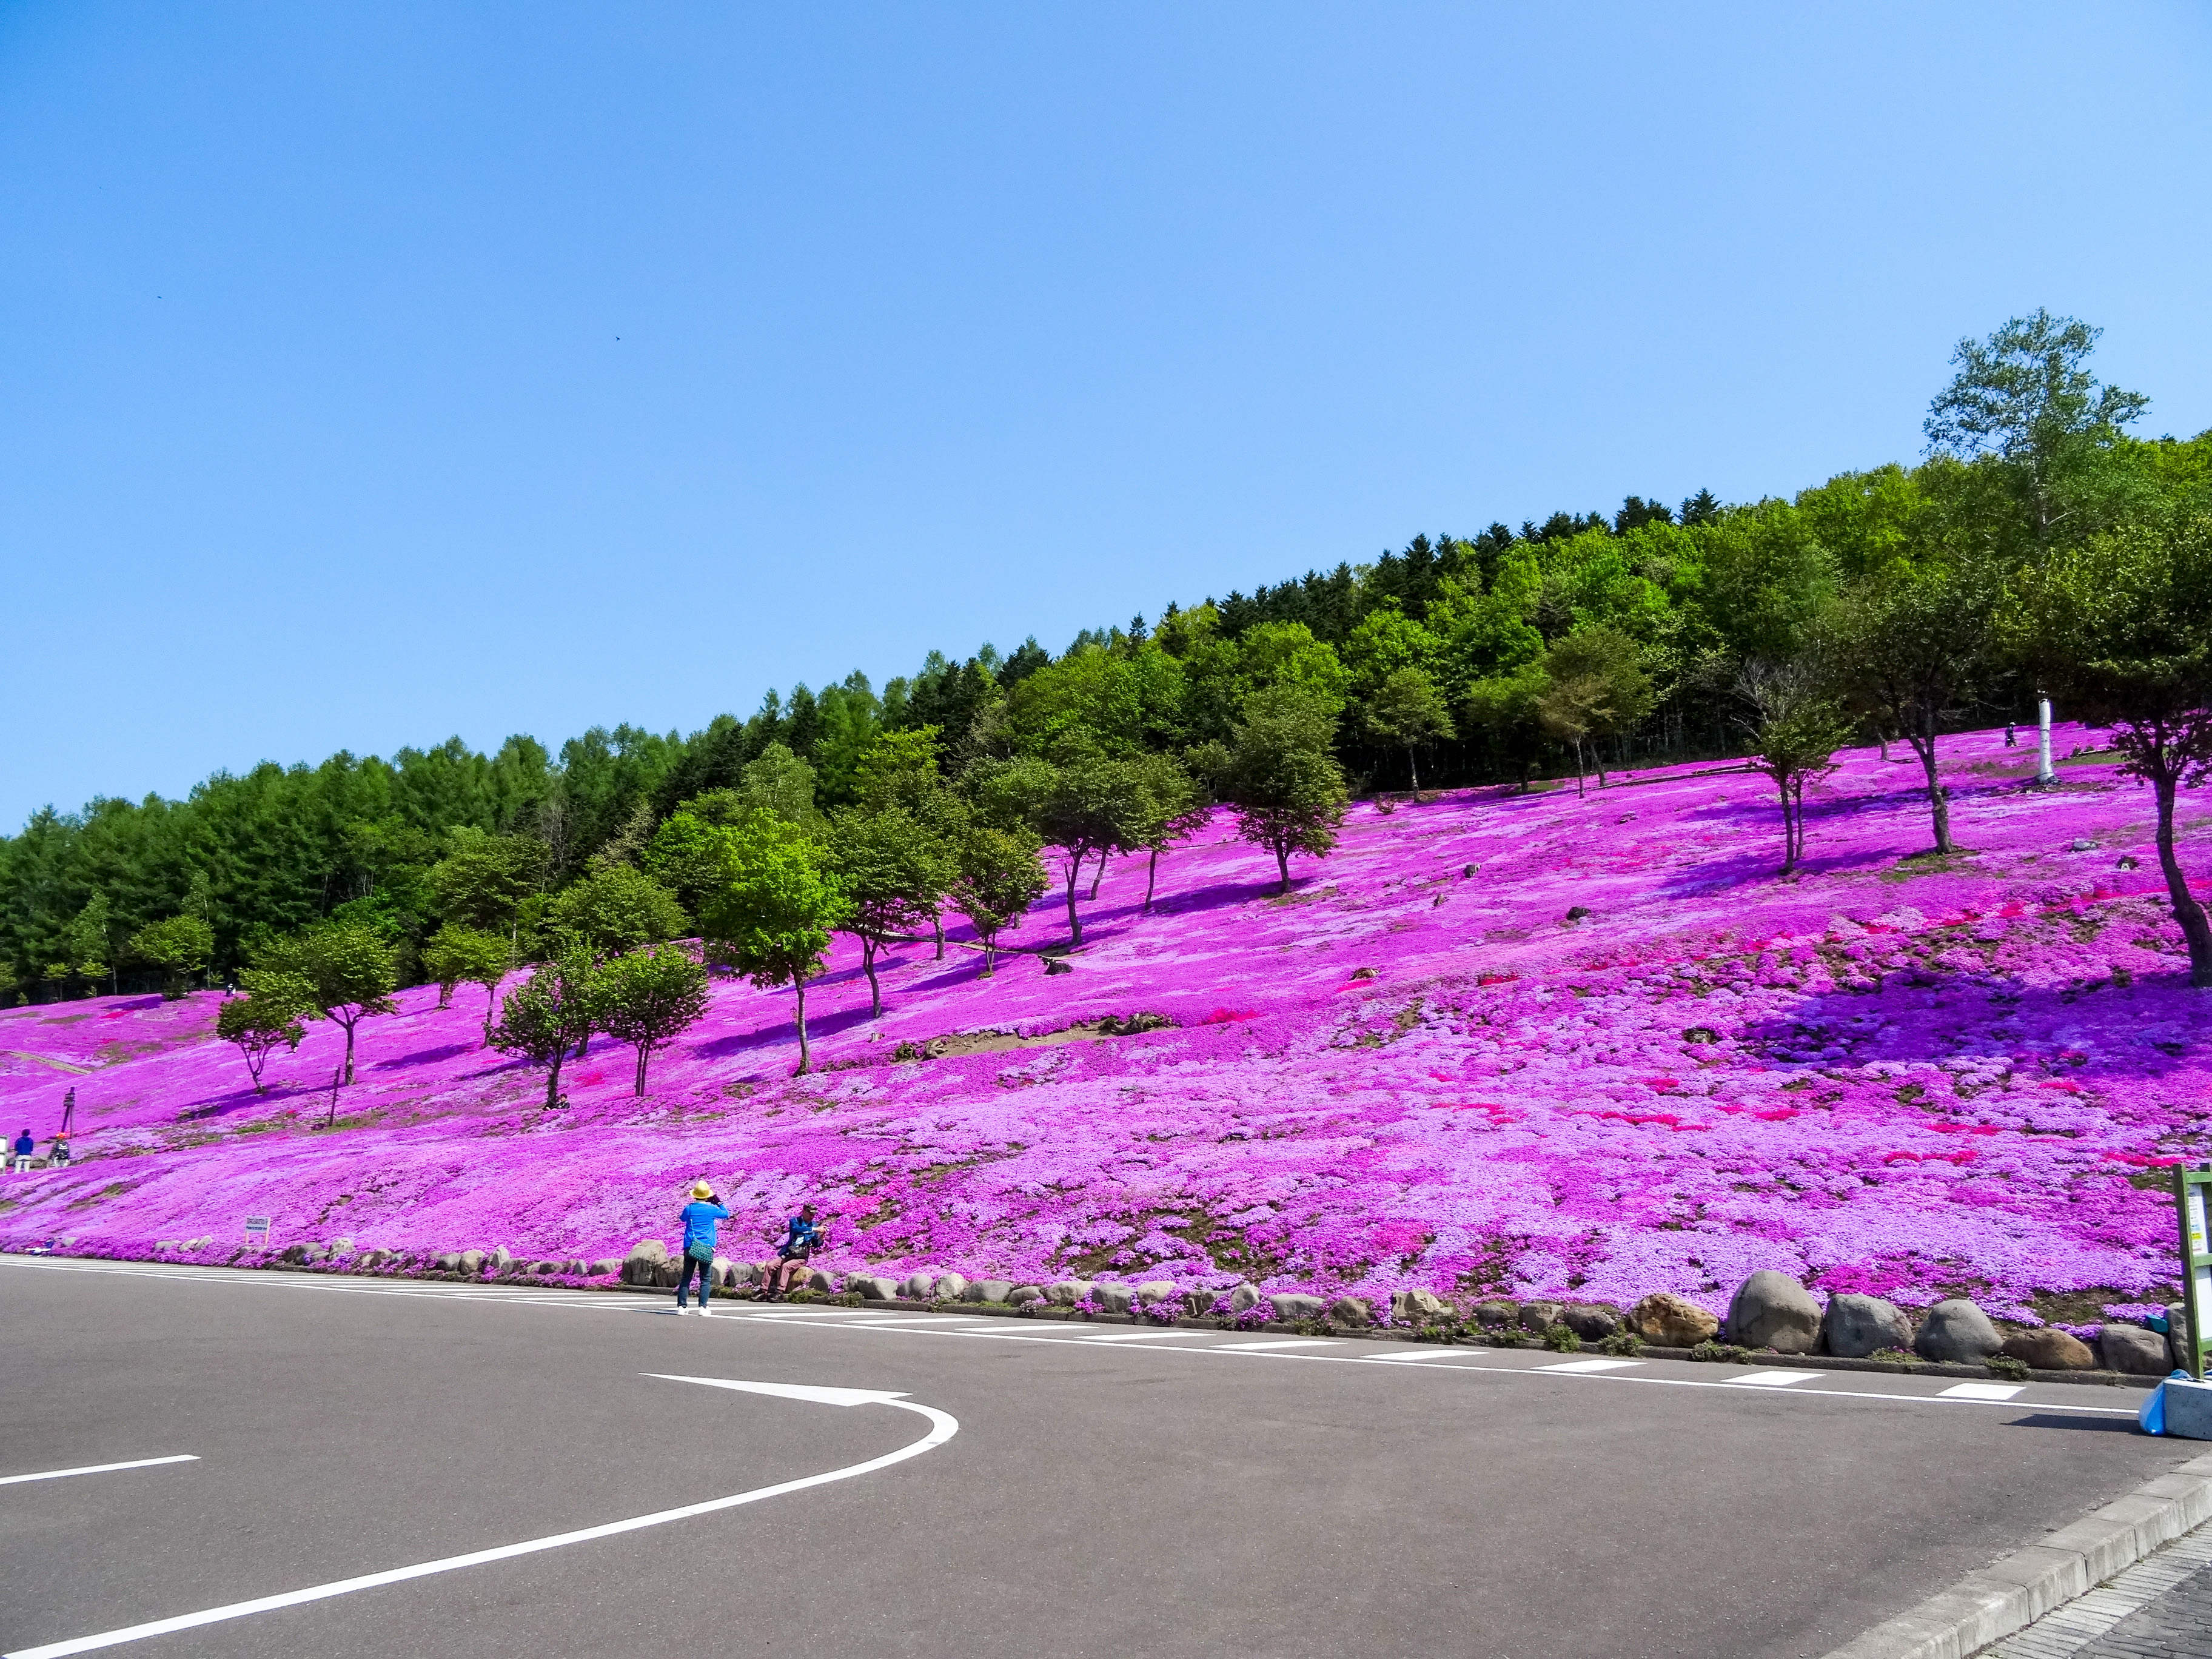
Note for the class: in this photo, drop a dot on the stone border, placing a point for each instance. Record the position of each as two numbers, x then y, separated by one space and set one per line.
2011 1593
1061 1313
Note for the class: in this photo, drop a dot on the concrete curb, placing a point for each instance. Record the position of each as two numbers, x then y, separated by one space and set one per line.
2009 1595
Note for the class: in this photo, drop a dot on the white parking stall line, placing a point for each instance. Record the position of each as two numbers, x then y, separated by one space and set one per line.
1425 1356
1992 1391
1123 1336
1770 1379
99 1468
1589 1367
1283 1342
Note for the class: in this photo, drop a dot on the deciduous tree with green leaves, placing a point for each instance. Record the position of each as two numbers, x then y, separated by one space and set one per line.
348 971
998 879
1283 778
457 956
893 870
553 1011
772 917
647 998
1594 689
1406 710
181 947
1795 730
269 1016
614 907
2123 626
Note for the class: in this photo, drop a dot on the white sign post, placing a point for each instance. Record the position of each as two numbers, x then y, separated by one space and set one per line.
256 1230
2188 1185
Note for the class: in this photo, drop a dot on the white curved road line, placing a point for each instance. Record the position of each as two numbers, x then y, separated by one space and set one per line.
942 1427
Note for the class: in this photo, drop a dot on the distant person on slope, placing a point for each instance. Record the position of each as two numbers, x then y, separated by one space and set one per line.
703 1217
802 1236
26 1148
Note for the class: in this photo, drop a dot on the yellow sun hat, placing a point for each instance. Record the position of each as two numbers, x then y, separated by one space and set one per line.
701 1189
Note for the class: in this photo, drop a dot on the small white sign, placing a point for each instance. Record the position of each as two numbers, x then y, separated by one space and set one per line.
256 1230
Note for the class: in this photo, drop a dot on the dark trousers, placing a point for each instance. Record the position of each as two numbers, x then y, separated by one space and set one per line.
706 1273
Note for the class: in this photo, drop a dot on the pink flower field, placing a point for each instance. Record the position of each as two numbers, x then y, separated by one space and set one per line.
1415 1070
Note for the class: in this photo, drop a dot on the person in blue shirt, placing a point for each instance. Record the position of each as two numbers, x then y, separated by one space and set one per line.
26 1148
702 1219
802 1236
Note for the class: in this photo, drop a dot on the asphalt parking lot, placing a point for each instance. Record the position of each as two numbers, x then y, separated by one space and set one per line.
517 1472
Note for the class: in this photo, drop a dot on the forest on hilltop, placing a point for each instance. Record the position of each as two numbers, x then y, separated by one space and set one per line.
1897 603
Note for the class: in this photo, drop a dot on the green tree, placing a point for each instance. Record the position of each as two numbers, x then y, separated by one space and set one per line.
348 971
1176 808
647 998
1907 643
1283 779
1596 689
1507 709
780 782
457 956
486 881
772 918
1082 802
92 950
1406 711
181 946
553 1011
614 907
2124 626
997 880
267 1017
892 869
1795 731
2025 400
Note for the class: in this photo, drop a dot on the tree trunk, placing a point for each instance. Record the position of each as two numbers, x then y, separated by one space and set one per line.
1283 864
553 1082
875 986
804 1059
1413 770
1074 922
643 1050
2186 910
937 921
1579 768
1103 853
491 1006
990 955
1151 874
1939 807
348 1058
444 996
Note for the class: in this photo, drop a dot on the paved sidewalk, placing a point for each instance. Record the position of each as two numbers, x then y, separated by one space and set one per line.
2160 1608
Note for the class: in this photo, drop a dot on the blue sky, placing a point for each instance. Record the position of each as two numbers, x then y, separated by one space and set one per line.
379 373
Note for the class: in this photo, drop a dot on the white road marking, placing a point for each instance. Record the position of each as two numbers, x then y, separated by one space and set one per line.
1421 1356
99 1468
1981 1391
1588 1367
943 1427
995 1329
1123 1336
1285 1342
1770 1379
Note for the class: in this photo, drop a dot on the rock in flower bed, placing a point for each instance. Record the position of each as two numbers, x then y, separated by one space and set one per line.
1895 1077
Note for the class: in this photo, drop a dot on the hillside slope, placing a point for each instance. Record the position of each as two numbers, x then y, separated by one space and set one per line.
1414 1071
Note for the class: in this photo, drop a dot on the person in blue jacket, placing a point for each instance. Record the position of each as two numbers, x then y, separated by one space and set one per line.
703 1217
802 1236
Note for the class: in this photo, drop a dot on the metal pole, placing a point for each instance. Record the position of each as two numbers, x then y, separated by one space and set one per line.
2043 772
2195 1263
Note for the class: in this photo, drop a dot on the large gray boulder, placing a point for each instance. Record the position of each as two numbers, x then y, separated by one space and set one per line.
2133 1351
919 1287
1112 1298
1155 1290
950 1286
1540 1315
1196 1303
602 1268
1671 1320
1290 1304
988 1290
1419 1308
472 1262
1957 1332
1022 1295
1589 1321
450 1263
1351 1312
1244 1297
197 1243
2048 1350
1497 1311
820 1279
1066 1293
162 1245
1770 1310
874 1289
720 1272
498 1260
646 1257
1856 1326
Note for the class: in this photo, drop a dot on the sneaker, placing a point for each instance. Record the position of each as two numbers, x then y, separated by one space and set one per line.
681 1310
706 1313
